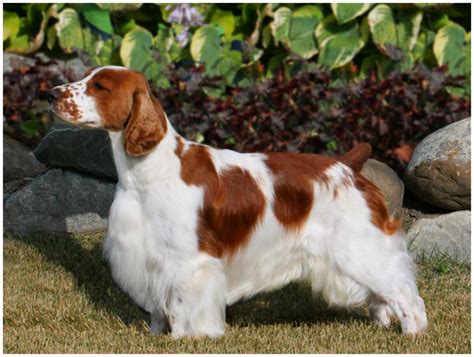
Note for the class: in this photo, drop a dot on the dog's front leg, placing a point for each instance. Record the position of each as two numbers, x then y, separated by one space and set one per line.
198 304
159 323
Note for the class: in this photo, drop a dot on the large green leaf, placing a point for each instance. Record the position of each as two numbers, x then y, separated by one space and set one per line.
206 44
32 29
383 28
166 45
99 18
280 25
295 30
225 19
19 44
452 47
338 44
135 52
467 51
103 50
408 27
206 47
11 24
69 31
51 37
423 43
266 36
301 36
346 12
226 65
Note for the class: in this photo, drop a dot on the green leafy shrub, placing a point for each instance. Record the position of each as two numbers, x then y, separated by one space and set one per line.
245 43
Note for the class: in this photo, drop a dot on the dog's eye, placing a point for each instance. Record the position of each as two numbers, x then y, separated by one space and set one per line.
97 85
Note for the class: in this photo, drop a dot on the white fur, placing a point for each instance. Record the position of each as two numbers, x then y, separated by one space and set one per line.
152 247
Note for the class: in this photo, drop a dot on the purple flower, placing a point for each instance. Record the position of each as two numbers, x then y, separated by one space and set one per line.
182 37
187 16
184 14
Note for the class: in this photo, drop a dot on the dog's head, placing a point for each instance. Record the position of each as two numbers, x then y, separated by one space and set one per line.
113 98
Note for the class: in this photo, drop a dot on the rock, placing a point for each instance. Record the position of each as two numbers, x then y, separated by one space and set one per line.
68 70
439 171
448 234
59 201
389 183
13 61
86 150
18 161
73 68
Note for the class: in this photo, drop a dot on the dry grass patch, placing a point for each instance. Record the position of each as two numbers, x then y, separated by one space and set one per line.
59 298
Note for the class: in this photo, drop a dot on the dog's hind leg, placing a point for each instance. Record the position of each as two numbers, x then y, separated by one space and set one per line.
381 262
336 287
380 312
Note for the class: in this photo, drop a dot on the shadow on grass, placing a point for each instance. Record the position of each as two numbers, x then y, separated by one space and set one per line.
85 262
295 305
82 257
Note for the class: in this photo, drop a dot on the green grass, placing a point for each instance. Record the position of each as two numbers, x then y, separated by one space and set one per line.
59 298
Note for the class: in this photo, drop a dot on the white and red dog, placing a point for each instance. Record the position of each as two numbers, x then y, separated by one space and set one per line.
193 229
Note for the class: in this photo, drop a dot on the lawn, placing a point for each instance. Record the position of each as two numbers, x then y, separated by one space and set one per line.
59 298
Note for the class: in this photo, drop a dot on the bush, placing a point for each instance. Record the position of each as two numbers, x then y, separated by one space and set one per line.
245 43
255 77
308 114
24 100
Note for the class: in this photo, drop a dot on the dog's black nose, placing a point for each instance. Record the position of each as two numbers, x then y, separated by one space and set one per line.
52 95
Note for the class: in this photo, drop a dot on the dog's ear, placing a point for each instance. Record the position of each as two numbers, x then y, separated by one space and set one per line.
146 126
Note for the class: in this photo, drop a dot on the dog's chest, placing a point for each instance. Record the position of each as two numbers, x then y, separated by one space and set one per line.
149 235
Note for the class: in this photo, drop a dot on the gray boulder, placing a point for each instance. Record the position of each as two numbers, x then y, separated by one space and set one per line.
439 172
19 165
59 201
388 182
19 161
72 69
86 150
446 235
13 61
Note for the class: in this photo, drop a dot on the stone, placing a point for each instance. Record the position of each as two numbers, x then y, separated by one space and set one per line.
66 70
13 61
86 150
439 172
59 201
446 235
74 68
18 161
388 182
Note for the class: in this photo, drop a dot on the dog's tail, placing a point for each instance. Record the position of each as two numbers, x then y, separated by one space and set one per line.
356 157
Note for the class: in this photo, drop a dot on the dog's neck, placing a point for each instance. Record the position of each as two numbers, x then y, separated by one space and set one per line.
158 165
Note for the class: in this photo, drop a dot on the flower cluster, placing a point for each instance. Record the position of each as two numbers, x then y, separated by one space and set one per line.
186 16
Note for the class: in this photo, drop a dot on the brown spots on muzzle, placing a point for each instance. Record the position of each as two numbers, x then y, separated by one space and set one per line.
233 202
66 107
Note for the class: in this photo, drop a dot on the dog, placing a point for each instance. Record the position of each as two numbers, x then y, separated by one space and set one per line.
193 228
